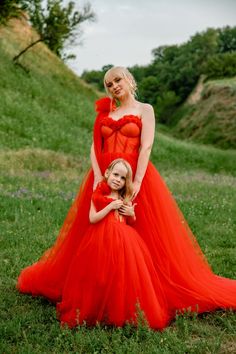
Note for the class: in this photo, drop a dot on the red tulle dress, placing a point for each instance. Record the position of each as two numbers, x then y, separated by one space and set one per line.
183 280
112 277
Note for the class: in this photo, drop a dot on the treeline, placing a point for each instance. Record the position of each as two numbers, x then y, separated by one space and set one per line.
175 69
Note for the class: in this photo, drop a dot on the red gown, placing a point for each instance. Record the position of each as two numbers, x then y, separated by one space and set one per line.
112 275
186 278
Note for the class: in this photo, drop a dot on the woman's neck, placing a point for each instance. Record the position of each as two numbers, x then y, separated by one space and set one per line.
127 101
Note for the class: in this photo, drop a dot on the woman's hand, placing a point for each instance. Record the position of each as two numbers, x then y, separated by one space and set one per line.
97 179
136 189
127 210
116 204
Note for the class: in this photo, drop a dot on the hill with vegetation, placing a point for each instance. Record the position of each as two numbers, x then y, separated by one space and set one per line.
46 120
40 95
209 115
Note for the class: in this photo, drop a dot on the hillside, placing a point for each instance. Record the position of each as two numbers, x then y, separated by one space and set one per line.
46 120
40 96
44 106
209 115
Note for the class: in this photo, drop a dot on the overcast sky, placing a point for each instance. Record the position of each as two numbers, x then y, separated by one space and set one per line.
126 31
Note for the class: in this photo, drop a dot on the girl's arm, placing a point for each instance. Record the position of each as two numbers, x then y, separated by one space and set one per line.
128 210
96 169
147 137
95 216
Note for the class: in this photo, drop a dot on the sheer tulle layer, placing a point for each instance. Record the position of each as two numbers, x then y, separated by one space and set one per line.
186 276
47 276
183 280
111 273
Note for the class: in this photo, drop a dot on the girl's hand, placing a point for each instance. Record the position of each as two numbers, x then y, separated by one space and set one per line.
136 189
97 179
116 204
127 210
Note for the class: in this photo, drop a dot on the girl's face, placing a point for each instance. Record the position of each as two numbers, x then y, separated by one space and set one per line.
117 178
117 85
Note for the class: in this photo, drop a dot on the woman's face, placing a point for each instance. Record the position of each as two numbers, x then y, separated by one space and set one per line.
117 177
117 85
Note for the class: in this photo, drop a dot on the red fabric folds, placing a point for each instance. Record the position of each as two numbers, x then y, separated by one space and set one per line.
99 272
47 276
112 274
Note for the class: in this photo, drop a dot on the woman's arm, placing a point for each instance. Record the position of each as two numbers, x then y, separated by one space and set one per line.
95 216
96 170
147 138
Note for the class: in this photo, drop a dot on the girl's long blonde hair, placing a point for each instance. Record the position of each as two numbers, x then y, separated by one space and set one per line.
127 191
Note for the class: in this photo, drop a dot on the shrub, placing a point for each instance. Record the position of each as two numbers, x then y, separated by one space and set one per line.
221 65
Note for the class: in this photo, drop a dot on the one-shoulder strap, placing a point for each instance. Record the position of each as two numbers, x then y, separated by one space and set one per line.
102 106
105 105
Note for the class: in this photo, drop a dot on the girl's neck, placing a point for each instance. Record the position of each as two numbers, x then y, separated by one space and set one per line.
115 194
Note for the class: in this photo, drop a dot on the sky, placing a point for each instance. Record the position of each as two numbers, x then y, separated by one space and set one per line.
125 32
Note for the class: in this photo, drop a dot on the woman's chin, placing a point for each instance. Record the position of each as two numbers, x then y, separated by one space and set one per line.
119 95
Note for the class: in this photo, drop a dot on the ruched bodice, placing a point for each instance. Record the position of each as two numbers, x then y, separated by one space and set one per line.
121 135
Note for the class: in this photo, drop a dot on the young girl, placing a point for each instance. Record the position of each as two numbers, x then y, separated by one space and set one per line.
112 274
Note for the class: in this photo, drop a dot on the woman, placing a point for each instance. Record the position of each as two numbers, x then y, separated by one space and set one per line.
127 131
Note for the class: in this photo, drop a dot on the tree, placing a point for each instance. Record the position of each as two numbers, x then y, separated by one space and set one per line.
166 104
94 77
165 53
107 67
220 65
8 9
58 25
149 89
227 39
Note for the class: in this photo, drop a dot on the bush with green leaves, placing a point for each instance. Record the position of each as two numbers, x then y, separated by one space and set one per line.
220 66
165 106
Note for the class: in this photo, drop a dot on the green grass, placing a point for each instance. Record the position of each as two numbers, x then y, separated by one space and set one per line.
227 82
46 119
34 203
34 110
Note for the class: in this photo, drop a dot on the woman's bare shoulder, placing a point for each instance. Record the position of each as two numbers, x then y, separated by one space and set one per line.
145 109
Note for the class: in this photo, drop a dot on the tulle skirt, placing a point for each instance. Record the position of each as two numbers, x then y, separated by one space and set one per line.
183 275
112 280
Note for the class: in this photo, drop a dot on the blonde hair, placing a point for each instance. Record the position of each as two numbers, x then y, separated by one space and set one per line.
126 74
127 191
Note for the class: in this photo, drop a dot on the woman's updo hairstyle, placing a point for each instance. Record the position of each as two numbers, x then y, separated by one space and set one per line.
126 74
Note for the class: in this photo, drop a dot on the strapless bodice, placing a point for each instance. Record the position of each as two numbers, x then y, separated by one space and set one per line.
121 135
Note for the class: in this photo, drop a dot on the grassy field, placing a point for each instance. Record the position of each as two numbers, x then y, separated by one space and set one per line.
46 119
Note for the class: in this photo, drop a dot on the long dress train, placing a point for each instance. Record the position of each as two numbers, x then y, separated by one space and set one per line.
185 275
